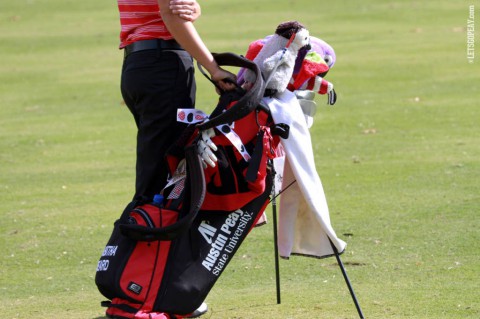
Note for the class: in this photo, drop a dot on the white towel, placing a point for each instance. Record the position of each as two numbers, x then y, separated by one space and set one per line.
304 226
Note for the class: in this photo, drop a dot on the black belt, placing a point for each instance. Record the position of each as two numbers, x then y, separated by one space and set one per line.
152 44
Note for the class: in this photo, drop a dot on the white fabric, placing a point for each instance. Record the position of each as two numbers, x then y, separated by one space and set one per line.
304 221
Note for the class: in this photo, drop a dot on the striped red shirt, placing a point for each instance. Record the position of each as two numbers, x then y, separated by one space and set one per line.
141 20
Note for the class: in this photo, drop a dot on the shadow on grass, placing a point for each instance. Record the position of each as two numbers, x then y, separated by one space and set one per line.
217 311
228 310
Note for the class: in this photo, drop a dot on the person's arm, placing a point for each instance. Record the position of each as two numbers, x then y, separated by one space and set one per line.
187 36
186 9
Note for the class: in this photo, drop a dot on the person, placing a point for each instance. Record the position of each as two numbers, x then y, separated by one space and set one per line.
159 40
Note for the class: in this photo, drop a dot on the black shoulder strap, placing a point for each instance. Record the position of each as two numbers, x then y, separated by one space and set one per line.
248 102
195 187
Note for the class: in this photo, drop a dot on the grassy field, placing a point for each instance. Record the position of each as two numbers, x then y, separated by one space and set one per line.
398 156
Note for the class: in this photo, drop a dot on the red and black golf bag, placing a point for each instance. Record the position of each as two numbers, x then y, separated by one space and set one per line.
164 257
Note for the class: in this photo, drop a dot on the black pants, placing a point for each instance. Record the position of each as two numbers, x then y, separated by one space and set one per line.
154 84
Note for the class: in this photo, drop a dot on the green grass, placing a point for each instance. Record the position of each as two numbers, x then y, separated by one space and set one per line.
398 156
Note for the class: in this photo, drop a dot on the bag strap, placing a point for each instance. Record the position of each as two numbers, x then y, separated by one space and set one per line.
250 99
254 164
195 188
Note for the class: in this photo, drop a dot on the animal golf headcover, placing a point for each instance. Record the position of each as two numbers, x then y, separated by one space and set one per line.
311 66
276 59
310 77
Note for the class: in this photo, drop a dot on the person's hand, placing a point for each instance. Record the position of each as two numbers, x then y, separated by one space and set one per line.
186 9
224 79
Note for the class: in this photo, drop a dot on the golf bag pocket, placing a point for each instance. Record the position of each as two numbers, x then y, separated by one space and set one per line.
234 181
130 264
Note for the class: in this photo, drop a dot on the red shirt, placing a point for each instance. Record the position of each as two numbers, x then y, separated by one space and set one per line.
141 20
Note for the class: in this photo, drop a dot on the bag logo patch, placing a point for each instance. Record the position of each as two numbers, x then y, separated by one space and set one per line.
135 288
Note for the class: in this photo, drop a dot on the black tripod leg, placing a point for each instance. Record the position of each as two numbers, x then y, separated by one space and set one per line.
275 237
275 232
345 276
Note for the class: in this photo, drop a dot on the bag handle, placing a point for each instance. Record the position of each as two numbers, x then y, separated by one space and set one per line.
195 188
250 99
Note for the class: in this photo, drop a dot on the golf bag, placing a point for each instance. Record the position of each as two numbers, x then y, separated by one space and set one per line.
164 257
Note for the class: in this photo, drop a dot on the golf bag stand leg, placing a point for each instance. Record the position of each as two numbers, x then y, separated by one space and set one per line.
275 236
347 281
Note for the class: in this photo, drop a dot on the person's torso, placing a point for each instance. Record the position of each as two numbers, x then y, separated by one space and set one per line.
140 20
